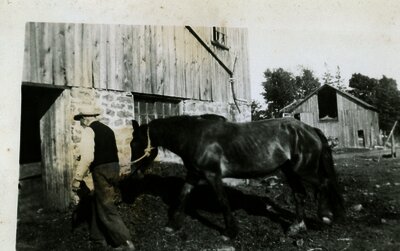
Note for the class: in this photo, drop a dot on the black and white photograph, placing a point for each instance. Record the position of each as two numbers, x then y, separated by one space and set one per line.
187 125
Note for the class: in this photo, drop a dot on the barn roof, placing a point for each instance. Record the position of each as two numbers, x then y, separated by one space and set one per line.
291 107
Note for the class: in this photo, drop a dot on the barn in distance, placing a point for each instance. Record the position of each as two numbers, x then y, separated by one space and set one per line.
345 120
131 72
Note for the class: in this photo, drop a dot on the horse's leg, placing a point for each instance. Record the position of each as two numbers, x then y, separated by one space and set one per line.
215 181
177 217
324 212
299 194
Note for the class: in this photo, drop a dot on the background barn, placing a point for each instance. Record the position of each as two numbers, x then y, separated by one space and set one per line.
344 119
131 72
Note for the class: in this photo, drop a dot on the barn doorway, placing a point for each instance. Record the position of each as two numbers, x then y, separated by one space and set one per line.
34 104
361 138
40 106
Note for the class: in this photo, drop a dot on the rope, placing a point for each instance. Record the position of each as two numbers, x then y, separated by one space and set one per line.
147 150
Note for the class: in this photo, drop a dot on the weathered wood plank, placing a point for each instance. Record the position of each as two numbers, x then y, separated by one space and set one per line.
38 36
87 55
58 44
195 69
119 58
46 34
188 81
148 58
153 59
143 71
136 38
167 54
104 57
111 56
27 69
180 83
159 65
69 53
78 46
34 55
95 58
127 58
172 59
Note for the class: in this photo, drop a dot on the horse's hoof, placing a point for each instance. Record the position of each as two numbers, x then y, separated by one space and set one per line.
225 238
169 229
326 220
296 228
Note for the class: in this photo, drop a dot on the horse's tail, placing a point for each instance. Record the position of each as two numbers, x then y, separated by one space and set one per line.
330 186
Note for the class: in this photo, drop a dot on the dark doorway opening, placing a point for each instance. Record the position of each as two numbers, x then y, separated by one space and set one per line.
327 104
361 138
35 102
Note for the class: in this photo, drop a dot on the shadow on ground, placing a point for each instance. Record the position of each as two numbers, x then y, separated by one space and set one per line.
203 198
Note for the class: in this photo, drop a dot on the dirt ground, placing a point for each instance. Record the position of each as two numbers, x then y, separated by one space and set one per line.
262 208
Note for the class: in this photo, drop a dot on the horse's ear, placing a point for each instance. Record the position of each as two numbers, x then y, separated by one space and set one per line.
135 125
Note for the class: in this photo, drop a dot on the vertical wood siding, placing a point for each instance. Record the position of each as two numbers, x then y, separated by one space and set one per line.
146 59
351 118
55 128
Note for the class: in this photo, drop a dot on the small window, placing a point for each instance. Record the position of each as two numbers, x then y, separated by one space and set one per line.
149 108
219 38
327 105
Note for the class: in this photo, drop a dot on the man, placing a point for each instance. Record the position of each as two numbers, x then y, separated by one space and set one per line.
99 155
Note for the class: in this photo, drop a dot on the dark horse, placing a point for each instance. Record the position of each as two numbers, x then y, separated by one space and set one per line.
212 148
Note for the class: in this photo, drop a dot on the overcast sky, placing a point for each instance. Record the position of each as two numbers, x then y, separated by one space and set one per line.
358 38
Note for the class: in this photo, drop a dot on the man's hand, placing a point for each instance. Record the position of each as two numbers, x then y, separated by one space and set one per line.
76 184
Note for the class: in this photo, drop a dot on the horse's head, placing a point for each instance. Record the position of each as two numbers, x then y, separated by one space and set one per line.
142 151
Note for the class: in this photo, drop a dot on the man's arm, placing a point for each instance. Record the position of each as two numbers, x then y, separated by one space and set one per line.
86 149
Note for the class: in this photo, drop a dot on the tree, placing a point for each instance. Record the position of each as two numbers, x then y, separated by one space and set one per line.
338 80
382 93
279 89
334 80
257 113
327 77
306 83
387 98
363 88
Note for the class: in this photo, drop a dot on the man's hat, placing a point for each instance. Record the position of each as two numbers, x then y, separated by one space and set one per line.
87 111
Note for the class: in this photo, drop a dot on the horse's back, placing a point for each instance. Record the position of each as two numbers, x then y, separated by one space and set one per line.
258 147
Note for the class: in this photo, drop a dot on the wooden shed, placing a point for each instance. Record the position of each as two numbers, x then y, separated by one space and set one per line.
131 72
345 119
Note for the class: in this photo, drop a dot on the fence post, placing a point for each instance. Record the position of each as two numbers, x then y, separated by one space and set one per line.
393 151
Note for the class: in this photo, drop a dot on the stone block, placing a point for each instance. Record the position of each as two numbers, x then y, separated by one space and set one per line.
124 114
117 106
118 122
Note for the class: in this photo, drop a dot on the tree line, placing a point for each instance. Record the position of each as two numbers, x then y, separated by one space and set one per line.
282 88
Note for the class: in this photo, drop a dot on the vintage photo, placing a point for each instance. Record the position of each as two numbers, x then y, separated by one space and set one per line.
261 136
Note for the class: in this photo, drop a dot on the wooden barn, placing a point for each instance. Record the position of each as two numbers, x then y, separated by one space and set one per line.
131 72
345 119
